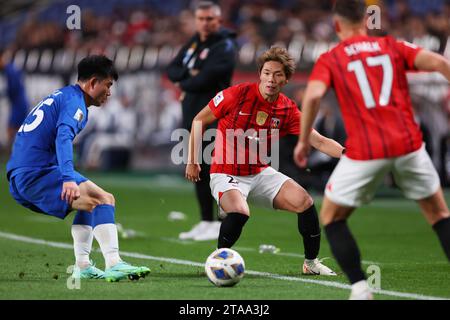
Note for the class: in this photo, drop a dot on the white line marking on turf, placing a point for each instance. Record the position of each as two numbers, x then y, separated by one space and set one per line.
297 255
286 254
339 285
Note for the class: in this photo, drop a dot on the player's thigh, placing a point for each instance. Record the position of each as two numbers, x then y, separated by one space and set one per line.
234 201
416 175
230 192
266 186
292 197
434 208
91 196
354 182
40 191
332 212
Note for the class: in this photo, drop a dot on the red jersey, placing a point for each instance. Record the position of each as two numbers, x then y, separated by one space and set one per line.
368 75
246 118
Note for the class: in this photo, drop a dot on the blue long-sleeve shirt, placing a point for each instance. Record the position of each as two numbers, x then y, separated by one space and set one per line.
46 136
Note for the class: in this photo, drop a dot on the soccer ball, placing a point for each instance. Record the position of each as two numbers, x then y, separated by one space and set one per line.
224 267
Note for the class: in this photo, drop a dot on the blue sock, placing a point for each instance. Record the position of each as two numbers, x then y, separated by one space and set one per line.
103 214
83 218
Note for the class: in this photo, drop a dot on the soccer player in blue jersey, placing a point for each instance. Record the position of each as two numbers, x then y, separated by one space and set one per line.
42 177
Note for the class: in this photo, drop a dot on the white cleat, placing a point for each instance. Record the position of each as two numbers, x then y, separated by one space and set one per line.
210 233
361 291
315 267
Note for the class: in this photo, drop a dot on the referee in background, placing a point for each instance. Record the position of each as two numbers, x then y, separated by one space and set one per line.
203 67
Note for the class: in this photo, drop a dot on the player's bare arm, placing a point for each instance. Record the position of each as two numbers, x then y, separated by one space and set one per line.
200 122
430 61
326 145
311 103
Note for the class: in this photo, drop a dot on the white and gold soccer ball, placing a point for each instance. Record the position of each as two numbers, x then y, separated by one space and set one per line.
225 267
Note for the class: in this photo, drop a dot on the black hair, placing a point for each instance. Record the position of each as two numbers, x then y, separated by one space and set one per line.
206 5
352 10
96 65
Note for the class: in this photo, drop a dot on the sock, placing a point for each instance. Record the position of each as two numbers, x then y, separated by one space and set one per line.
308 226
230 229
345 250
204 197
442 229
105 232
82 238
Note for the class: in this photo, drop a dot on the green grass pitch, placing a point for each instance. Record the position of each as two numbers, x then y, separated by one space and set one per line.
391 233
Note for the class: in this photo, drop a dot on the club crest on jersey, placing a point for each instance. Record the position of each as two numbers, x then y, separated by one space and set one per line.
261 117
204 54
275 123
79 115
218 98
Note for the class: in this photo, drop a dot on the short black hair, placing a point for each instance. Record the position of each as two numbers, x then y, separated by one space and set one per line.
352 10
96 65
206 5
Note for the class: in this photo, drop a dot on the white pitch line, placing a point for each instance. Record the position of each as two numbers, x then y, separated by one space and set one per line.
339 285
285 254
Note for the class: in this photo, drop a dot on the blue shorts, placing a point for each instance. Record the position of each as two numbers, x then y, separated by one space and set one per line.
40 190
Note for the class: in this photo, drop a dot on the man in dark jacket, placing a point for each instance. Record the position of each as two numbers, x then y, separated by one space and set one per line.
203 67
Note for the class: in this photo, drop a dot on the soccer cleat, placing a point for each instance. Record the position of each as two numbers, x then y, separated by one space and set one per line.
91 272
361 291
123 270
315 267
366 295
197 230
210 233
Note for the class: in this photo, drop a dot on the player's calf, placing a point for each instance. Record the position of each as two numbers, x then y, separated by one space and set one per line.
231 229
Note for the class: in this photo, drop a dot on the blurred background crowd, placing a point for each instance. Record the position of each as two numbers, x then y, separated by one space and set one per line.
134 131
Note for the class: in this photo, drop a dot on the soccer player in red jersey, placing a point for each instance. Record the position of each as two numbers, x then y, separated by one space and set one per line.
368 75
250 116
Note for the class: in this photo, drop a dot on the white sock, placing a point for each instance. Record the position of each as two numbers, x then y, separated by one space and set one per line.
82 244
107 238
310 261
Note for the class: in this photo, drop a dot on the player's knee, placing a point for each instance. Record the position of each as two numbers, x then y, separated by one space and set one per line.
242 210
108 198
303 203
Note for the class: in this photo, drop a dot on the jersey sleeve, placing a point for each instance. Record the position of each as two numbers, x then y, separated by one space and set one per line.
224 101
322 71
64 152
408 52
72 113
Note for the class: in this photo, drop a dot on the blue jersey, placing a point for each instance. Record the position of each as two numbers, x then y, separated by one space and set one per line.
45 137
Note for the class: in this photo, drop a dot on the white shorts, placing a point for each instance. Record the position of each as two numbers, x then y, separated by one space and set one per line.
261 188
354 182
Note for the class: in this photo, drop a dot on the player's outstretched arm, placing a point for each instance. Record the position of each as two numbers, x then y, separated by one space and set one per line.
200 122
326 145
433 62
